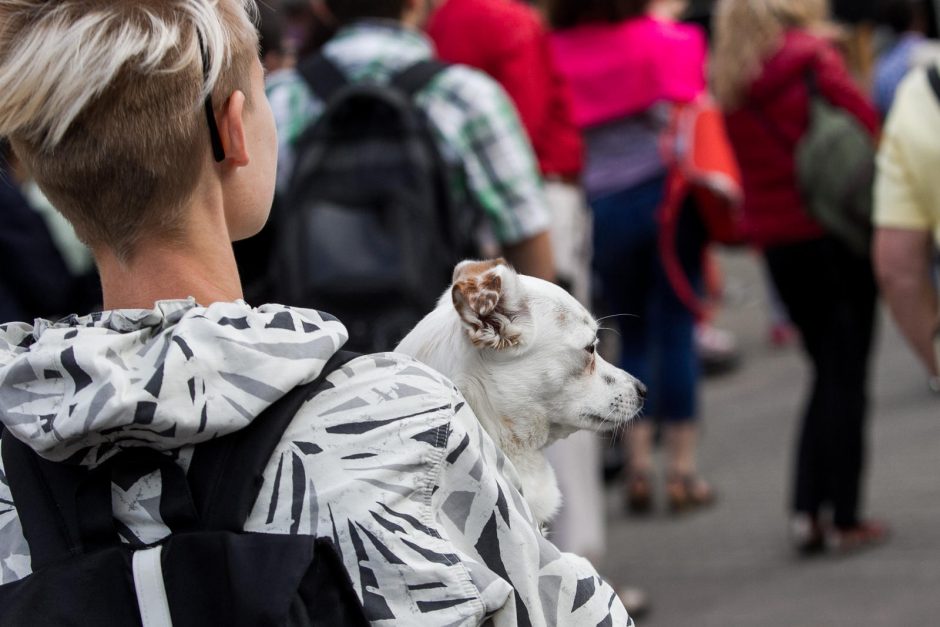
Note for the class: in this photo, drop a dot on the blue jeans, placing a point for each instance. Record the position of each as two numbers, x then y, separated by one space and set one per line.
657 332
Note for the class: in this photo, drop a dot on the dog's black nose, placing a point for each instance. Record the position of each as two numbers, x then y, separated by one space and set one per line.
641 390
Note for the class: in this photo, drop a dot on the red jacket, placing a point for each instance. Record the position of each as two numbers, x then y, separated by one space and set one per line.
507 40
766 127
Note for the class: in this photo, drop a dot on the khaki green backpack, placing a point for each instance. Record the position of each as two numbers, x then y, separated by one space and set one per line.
835 168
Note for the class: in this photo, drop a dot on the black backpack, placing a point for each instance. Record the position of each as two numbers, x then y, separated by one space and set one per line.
207 572
372 224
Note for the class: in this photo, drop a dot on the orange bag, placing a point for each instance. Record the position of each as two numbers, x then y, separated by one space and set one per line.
702 164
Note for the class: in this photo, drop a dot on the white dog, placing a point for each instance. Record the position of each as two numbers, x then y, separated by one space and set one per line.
523 353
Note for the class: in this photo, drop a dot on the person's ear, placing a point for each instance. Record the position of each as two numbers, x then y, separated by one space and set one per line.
231 120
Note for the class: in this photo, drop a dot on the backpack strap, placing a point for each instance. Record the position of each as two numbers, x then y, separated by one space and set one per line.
417 76
811 80
773 129
96 523
323 77
226 474
933 77
44 497
65 508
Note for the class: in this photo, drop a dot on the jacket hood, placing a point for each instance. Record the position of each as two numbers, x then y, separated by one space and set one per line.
787 65
82 388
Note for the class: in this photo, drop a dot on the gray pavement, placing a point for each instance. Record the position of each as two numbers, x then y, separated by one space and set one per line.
732 565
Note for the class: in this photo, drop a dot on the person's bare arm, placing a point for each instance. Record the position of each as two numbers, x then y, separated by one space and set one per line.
532 256
903 265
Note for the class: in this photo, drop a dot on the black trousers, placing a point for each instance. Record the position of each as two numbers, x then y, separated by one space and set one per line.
830 294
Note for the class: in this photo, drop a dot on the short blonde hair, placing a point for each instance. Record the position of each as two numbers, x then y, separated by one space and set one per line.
102 101
746 33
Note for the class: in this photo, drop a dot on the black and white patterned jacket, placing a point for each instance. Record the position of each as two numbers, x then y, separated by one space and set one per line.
390 463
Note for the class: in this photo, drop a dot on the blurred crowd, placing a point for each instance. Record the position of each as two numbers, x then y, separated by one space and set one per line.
572 138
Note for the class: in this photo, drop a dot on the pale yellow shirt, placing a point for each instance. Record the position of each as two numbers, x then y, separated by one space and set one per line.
907 186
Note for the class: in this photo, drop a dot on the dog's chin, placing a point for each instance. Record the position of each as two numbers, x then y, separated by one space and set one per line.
587 422
606 424
560 431
600 425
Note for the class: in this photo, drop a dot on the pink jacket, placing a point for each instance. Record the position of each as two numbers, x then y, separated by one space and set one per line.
619 69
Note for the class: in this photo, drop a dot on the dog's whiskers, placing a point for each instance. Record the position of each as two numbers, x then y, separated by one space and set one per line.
620 315
604 421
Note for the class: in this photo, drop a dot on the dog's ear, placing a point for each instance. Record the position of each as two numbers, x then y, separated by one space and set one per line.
488 298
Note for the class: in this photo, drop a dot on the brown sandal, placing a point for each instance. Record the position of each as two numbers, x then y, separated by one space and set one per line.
688 492
639 492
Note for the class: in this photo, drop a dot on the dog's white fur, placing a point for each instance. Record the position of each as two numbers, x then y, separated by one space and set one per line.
523 353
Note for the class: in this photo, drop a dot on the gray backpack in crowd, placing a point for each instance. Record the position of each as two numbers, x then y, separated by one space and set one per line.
835 166
371 225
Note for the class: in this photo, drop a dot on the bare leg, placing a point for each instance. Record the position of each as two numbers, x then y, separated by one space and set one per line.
638 441
684 486
681 443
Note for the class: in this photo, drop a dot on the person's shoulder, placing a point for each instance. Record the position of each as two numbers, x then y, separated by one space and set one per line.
924 53
469 87
287 78
678 42
15 339
807 38
914 102
381 420
286 85
800 50
383 388
914 89
393 367
464 75
804 46
665 28
281 78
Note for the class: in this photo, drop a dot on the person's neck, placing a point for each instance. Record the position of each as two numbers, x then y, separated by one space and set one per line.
199 264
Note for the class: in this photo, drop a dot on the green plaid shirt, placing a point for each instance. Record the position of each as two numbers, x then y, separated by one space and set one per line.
473 120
